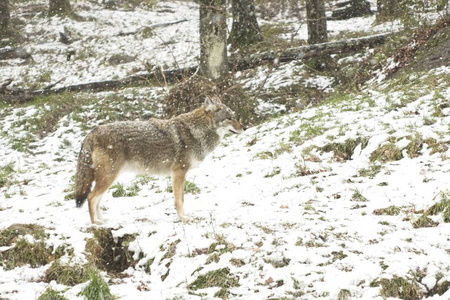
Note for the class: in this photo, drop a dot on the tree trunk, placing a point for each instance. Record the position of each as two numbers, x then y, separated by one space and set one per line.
316 21
213 39
388 10
245 30
4 18
59 7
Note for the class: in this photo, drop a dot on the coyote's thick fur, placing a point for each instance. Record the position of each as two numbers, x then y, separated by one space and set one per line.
159 147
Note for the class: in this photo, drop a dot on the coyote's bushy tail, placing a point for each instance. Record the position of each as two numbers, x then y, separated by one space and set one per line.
85 172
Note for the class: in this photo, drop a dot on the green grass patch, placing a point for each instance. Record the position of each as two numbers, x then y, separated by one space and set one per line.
358 196
97 289
370 171
389 151
215 250
442 206
386 152
439 108
171 250
282 148
278 263
344 294
388 211
70 190
436 146
415 146
147 266
336 255
411 286
399 287
121 191
424 222
6 175
275 171
189 188
132 190
50 109
306 132
67 274
115 108
237 262
51 294
344 151
217 278
337 98
10 234
264 155
24 253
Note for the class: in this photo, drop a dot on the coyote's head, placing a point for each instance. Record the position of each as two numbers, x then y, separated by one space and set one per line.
224 118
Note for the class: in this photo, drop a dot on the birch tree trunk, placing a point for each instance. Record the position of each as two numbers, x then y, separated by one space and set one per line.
59 7
245 30
316 21
4 18
213 39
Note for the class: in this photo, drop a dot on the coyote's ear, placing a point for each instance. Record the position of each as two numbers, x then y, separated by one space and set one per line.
210 105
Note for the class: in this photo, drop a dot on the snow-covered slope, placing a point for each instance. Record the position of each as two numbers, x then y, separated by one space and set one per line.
283 215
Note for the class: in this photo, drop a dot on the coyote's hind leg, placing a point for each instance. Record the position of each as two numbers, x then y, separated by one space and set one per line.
104 177
178 176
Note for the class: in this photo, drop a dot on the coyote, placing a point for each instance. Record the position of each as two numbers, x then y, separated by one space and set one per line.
158 147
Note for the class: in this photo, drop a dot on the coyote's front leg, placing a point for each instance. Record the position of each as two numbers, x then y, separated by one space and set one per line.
178 176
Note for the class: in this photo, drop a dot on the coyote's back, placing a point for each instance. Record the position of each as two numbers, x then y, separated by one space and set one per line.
159 147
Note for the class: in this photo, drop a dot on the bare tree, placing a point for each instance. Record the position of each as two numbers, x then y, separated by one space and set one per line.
213 39
245 30
60 8
388 9
316 21
4 18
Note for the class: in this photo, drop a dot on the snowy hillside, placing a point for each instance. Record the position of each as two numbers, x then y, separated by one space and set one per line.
283 215
330 202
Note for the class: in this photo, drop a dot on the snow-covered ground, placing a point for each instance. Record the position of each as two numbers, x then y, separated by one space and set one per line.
269 196
288 219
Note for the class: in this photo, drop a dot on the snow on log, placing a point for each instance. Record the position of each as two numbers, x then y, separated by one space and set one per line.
310 51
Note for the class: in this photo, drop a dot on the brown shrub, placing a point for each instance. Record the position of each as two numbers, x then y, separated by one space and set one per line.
191 93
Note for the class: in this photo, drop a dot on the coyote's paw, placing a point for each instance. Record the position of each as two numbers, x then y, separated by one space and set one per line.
186 218
98 222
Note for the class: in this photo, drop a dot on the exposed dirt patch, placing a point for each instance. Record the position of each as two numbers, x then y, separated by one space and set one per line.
109 254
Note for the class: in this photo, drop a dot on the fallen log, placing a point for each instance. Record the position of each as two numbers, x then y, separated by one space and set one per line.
10 53
310 51
171 76
20 95
152 26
